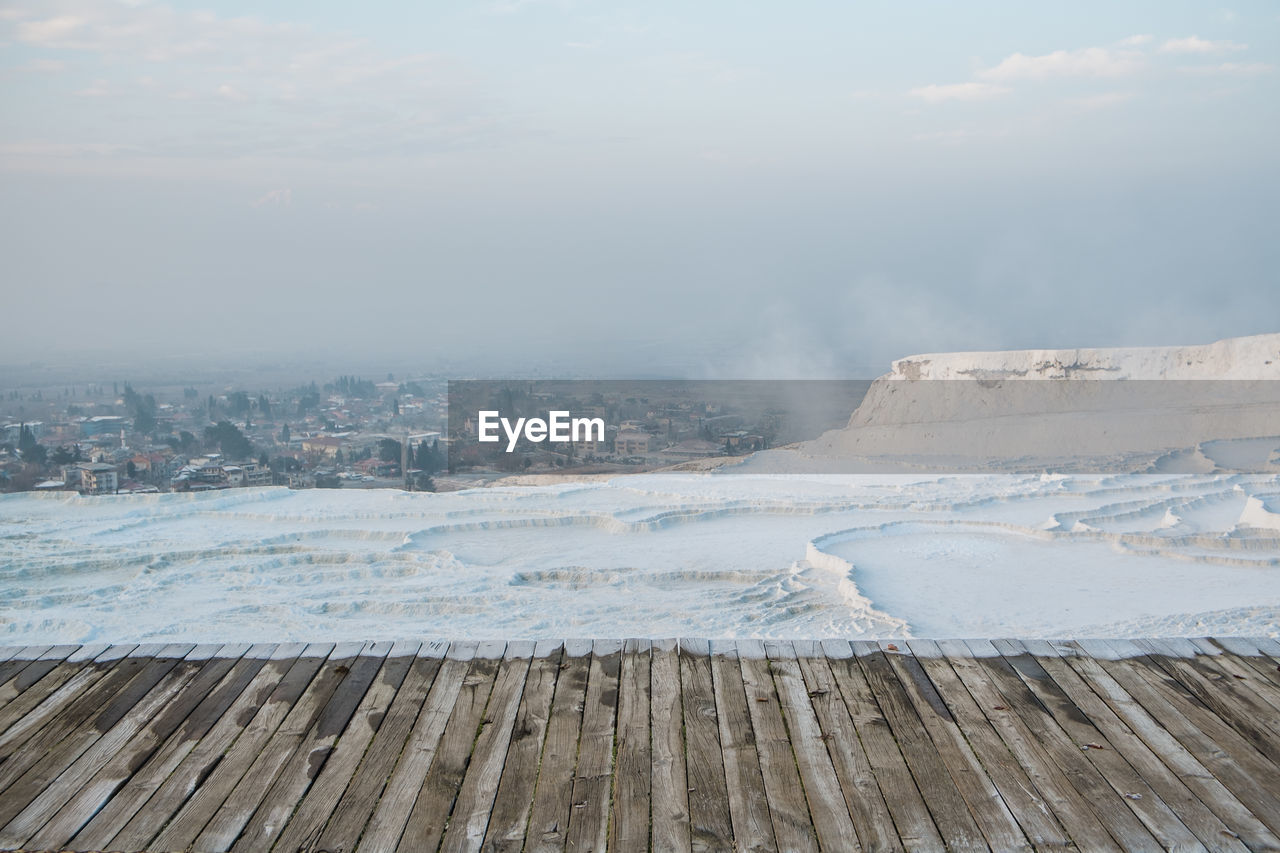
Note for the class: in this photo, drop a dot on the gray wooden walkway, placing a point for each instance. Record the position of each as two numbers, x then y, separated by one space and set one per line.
634 745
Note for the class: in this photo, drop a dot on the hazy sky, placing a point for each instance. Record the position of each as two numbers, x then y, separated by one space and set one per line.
811 188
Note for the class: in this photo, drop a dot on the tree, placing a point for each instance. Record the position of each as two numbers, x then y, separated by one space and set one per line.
61 456
186 441
284 434
130 469
264 407
25 438
238 403
141 409
389 450
428 459
229 439
395 407
338 458
31 450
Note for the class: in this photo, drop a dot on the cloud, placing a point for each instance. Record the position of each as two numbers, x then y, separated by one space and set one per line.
947 137
1101 100
1136 40
97 89
329 95
1241 69
51 31
275 198
935 93
1195 44
1084 62
43 66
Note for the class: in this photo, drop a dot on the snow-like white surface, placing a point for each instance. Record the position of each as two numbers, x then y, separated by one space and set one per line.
1256 357
974 410
723 555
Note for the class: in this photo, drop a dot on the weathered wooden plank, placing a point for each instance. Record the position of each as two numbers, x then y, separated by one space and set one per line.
748 802
950 812
1265 682
224 771
902 795
470 818
1267 645
1093 742
858 786
988 808
439 790
340 829
26 774
1110 806
593 774
1233 702
510 816
227 822
788 809
629 829
1222 714
1069 806
279 682
1033 813
1161 760
74 796
51 692
23 659
1247 652
401 792
1220 783
1244 669
301 764
1218 666
122 752
339 767
669 775
553 797
709 823
130 779
827 809
1232 759
29 672
69 706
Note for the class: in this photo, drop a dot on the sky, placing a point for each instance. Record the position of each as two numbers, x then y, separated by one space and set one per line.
746 189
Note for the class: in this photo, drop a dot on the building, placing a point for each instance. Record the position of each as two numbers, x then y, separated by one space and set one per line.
146 463
102 425
98 478
631 442
591 445
257 475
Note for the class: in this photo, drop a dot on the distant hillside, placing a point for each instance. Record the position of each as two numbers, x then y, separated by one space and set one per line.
1103 407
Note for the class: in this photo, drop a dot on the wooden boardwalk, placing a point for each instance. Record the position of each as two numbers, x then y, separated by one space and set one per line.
634 745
